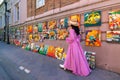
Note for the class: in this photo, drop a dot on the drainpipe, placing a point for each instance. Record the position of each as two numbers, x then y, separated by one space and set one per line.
6 23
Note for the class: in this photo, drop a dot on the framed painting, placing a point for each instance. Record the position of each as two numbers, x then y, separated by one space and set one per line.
92 18
93 38
63 23
114 20
52 24
75 18
113 36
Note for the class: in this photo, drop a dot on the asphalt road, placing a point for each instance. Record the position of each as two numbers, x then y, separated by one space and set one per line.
19 64
10 71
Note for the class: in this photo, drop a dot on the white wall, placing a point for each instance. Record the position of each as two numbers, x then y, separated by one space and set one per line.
22 11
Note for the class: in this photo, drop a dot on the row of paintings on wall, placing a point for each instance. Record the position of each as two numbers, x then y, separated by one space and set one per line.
52 30
90 19
92 37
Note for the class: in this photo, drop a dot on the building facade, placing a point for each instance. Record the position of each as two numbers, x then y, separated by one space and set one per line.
107 56
11 14
31 12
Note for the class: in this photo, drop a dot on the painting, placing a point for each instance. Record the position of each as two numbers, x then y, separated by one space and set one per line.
30 29
75 18
114 20
52 24
35 28
63 23
52 34
91 58
62 34
113 36
92 18
93 38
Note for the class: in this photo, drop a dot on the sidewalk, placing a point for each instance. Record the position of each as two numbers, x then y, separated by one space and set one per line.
46 68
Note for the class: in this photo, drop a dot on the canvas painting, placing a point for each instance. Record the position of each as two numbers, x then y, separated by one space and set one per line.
52 24
114 20
75 18
92 19
62 34
93 38
113 36
63 23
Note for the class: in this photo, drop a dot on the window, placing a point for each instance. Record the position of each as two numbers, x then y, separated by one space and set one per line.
40 3
17 12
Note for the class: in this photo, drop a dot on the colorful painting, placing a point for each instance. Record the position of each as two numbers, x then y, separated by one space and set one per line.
52 24
52 35
30 29
75 18
35 28
44 25
40 29
93 38
51 51
113 36
92 19
91 59
114 19
59 53
63 23
30 37
62 34
36 37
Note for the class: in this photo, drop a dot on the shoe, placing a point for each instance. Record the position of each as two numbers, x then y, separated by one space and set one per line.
62 66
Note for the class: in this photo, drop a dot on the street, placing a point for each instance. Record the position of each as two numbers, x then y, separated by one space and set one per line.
19 64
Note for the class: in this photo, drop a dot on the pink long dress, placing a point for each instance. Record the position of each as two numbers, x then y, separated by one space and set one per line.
75 59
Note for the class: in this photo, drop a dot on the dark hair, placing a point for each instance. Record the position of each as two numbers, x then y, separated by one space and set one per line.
76 29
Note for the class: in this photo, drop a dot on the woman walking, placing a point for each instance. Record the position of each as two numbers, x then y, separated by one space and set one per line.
75 59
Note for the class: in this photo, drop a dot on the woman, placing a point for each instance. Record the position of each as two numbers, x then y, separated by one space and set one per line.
75 59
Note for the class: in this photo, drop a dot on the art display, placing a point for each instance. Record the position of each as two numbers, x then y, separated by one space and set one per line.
36 37
52 34
40 29
51 51
52 24
35 28
93 38
30 37
91 59
30 29
62 34
75 18
92 18
59 53
63 23
113 36
114 19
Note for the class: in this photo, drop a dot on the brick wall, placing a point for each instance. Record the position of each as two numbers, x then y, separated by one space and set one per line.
49 5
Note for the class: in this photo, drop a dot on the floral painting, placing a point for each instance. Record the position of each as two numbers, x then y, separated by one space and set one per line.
114 20
62 34
92 18
93 38
52 24
113 36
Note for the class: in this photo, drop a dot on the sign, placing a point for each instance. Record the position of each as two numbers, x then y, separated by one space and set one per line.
40 3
